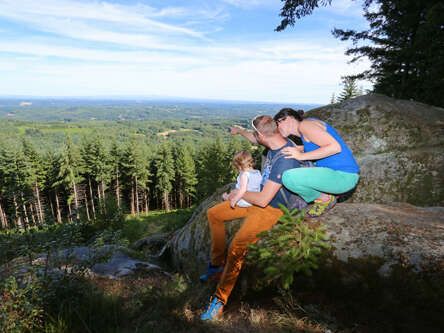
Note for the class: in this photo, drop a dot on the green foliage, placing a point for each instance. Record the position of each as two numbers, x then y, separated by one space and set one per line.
186 175
290 247
295 9
154 223
405 47
350 89
109 216
20 306
404 43
164 165
109 237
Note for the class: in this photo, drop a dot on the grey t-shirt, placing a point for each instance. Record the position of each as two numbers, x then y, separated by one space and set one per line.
280 165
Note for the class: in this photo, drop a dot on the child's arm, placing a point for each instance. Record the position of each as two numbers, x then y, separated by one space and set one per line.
243 181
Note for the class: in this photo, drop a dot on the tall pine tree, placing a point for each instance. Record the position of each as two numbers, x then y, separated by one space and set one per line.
69 176
186 176
135 173
36 178
164 166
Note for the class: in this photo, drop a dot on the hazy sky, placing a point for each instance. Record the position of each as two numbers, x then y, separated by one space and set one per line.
216 49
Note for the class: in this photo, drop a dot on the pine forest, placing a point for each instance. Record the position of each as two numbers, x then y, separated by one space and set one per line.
57 171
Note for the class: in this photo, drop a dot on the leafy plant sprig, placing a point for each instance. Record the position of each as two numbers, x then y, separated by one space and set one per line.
291 246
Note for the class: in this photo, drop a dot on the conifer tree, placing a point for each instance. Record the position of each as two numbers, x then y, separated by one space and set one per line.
15 179
86 170
36 176
52 165
404 43
69 176
135 172
115 161
164 165
100 166
3 188
214 167
144 178
186 176
350 89
405 47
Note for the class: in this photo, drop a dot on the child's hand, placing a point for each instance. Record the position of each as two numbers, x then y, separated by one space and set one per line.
233 202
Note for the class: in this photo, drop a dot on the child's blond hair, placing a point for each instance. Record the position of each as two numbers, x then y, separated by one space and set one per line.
243 160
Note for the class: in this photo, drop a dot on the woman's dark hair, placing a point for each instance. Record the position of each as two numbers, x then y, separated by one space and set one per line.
289 112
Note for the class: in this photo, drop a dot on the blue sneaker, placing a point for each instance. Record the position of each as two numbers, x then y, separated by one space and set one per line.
214 309
212 273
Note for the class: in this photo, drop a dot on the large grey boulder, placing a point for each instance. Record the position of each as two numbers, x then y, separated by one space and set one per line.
398 144
395 233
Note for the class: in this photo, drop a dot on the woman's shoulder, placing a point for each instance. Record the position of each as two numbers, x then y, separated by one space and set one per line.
310 124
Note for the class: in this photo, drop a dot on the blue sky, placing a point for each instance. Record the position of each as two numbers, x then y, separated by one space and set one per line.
218 49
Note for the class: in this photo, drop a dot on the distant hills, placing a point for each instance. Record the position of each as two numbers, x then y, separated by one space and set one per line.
135 109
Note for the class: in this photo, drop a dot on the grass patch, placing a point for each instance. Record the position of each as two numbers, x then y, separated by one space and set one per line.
155 222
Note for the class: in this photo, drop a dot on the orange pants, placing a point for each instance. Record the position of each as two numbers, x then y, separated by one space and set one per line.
257 219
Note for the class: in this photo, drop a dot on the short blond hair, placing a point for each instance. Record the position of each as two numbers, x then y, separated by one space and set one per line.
243 160
265 125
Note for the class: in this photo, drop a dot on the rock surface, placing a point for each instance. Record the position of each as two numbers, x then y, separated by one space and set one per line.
121 265
397 233
398 144
117 263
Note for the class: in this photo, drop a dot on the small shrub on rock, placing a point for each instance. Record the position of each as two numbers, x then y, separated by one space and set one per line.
290 247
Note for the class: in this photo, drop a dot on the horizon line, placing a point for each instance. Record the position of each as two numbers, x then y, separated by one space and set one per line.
154 97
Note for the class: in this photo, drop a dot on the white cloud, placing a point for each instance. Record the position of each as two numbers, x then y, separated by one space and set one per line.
250 3
44 13
350 8
288 73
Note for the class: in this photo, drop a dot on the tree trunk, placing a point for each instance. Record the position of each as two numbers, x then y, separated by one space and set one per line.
3 217
32 209
118 189
39 203
25 212
99 192
146 201
18 221
53 215
133 212
76 199
181 198
87 208
92 198
103 190
69 213
166 201
137 198
59 214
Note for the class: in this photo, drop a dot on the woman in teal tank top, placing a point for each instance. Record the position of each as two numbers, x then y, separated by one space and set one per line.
336 170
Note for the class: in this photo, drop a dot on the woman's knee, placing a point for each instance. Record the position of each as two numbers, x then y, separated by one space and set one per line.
292 180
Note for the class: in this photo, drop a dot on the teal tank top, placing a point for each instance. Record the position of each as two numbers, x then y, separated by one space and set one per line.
343 161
